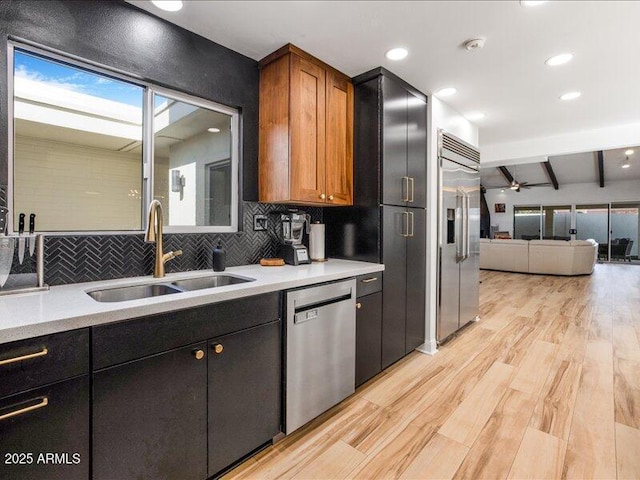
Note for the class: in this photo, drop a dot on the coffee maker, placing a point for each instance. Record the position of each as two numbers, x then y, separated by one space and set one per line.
291 250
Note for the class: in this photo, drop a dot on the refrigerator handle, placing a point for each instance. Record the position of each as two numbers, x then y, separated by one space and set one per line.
459 225
467 233
411 194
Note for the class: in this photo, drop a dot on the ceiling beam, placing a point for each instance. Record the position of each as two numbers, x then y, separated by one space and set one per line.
551 174
600 154
506 174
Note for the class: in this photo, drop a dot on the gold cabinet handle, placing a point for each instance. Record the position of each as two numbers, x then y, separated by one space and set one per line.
29 356
198 353
330 197
369 280
218 348
358 305
323 196
44 401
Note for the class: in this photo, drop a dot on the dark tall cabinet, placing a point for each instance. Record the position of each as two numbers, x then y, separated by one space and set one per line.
388 221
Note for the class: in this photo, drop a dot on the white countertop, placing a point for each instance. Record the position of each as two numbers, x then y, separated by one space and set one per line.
67 307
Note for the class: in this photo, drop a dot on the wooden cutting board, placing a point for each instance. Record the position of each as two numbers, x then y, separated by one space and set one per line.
271 262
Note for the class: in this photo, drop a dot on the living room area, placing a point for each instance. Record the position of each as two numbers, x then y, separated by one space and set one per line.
563 214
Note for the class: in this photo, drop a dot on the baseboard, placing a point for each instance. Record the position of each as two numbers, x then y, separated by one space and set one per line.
429 347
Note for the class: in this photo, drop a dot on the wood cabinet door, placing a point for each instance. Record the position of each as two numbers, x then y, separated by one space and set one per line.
307 131
339 149
45 421
416 278
394 291
368 337
244 393
417 151
150 417
395 181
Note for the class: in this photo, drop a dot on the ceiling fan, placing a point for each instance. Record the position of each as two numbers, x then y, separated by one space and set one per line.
516 186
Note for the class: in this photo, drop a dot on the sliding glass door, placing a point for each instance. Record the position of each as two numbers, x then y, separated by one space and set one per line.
592 221
526 222
556 222
624 231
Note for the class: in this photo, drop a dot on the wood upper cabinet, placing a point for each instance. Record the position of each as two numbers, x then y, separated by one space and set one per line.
306 131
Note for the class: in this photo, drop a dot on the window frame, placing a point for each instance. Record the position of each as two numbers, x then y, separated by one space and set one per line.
149 90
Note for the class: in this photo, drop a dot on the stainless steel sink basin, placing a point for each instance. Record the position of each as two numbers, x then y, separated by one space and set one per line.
209 282
133 292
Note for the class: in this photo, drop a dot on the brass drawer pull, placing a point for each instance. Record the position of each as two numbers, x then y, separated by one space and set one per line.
44 401
358 305
369 280
218 348
322 196
29 356
330 197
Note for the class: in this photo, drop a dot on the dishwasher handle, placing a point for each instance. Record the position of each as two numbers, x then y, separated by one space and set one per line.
310 312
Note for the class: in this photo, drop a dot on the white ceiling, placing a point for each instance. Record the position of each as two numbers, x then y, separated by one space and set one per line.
574 168
507 80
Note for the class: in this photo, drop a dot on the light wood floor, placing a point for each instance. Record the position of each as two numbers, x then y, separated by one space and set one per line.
545 385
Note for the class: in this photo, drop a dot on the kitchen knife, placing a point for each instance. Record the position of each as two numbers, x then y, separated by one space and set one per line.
32 240
21 238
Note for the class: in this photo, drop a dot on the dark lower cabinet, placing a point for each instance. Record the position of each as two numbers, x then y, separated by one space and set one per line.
244 393
368 337
150 417
44 432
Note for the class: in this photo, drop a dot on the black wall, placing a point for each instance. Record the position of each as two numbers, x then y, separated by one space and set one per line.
120 36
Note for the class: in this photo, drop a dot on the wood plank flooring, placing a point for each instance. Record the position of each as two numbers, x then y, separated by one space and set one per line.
545 385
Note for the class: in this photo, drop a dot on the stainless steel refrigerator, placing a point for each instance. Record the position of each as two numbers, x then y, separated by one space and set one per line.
458 233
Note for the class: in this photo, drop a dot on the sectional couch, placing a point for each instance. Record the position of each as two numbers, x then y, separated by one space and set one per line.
551 257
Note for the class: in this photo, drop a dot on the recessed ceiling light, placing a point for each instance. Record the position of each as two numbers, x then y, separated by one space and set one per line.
213 130
396 53
446 92
475 116
570 96
168 5
532 3
559 59
629 152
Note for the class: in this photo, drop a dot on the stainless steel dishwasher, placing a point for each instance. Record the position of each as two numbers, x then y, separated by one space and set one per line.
321 350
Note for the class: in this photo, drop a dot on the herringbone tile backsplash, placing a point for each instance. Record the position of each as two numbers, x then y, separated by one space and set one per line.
86 258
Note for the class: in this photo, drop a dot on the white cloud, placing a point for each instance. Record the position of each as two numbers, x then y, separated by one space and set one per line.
22 72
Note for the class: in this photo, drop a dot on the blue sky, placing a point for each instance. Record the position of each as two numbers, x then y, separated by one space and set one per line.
76 79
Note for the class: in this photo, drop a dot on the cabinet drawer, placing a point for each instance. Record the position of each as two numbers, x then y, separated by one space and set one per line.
367 284
132 339
31 363
44 421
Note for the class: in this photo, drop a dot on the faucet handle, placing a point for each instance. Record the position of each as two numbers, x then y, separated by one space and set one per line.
177 253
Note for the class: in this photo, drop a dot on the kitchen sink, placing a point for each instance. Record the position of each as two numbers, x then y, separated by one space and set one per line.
133 292
213 281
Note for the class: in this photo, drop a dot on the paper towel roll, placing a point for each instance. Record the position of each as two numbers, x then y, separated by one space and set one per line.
316 241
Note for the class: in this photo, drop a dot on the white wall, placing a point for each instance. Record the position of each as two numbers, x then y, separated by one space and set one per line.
441 116
65 185
570 194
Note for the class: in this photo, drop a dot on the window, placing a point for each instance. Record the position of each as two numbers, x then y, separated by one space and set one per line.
91 148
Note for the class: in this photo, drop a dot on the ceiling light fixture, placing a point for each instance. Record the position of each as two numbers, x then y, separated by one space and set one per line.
625 163
397 53
168 5
570 96
213 130
475 43
514 185
475 116
629 152
559 59
532 3
446 92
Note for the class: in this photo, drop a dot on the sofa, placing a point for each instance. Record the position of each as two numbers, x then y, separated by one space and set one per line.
550 257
